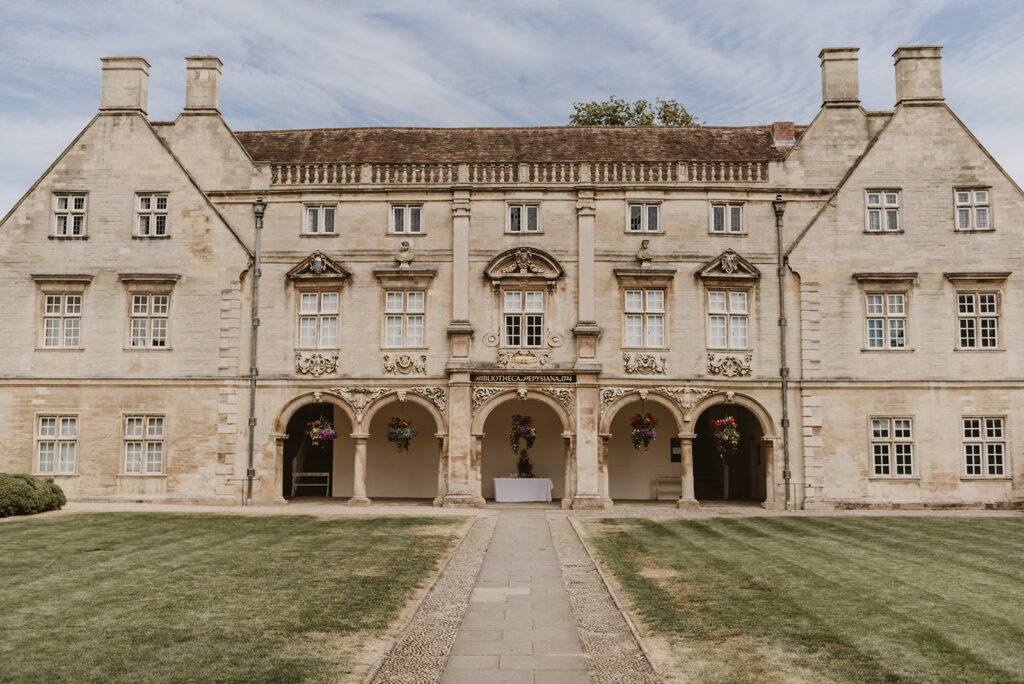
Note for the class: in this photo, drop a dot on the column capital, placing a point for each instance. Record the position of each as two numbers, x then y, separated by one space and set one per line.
460 207
360 436
687 436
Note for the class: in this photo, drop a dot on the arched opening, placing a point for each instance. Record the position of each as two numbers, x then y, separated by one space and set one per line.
394 474
739 476
639 474
547 457
317 470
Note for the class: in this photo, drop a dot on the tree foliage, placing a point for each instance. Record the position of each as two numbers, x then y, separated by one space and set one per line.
617 112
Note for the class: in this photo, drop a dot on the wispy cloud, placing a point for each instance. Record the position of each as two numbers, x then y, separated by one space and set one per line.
310 63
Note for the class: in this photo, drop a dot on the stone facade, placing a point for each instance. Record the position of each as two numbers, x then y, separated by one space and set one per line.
455 277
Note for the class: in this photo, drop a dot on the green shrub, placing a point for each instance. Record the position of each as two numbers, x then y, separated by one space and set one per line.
24 495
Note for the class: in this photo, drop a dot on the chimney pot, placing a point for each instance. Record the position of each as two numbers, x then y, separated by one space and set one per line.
918 73
202 84
783 133
125 84
839 86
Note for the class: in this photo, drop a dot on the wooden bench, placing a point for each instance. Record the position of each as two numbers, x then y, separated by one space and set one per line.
673 481
296 477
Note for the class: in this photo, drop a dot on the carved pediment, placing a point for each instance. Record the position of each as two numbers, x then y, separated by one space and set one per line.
318 266
729 266
523 264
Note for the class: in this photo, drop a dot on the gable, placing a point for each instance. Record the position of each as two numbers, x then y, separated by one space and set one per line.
115 158
923 155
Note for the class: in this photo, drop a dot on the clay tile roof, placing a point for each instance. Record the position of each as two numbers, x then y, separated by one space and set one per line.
542 144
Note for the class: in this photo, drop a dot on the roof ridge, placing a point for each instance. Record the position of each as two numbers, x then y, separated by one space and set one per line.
502 128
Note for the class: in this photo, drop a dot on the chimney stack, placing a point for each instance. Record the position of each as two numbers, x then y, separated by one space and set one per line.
202 85
125 84
918 73
783 133
839 77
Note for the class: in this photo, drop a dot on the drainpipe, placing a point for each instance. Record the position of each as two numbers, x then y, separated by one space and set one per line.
257 209
779 205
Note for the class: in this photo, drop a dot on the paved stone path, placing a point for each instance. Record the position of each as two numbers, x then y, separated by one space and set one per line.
518 627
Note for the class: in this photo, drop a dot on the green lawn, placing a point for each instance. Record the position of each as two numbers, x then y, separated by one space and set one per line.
825 599
150 597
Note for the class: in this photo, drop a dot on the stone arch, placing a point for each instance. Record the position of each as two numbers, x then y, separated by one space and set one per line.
441 426
608 414
289 409
513 393
753 405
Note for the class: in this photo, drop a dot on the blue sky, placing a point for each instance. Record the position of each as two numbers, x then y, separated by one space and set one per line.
309 63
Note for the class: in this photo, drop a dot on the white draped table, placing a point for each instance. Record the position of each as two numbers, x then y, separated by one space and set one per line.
508 489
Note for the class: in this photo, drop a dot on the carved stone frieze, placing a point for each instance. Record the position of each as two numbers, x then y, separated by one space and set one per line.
405 364
360 397
685 397
644 363
610 394
564 395
523 358
316 363
729 365
482 394
435 394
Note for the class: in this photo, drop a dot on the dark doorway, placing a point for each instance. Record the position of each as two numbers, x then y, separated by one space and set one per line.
740 476
301 456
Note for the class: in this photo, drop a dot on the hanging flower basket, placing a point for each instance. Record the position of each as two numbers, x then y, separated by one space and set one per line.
321 430
401 433
727 436
523 428
642 430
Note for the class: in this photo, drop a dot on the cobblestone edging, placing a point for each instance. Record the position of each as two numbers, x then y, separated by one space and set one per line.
612 648
419 654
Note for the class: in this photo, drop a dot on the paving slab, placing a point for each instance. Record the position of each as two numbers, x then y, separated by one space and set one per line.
520 594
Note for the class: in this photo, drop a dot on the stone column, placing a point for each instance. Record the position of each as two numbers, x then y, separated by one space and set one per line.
460 330
476 470
686 499
588 493
459 491
602 465
442 468
570 488
359 471
768 456
586 330
277 494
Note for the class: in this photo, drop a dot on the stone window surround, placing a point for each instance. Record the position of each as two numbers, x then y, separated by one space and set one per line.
320 207
978 281
404 279
524 203
56 439
881 207
145 439
972 205
728 204
147 284
407 213
984 440
62 284
891 440
645 279
69 212
886 284
710 287
152 213
644 314
644 205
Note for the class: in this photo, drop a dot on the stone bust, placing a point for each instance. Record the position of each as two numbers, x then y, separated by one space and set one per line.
405 256
643 255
